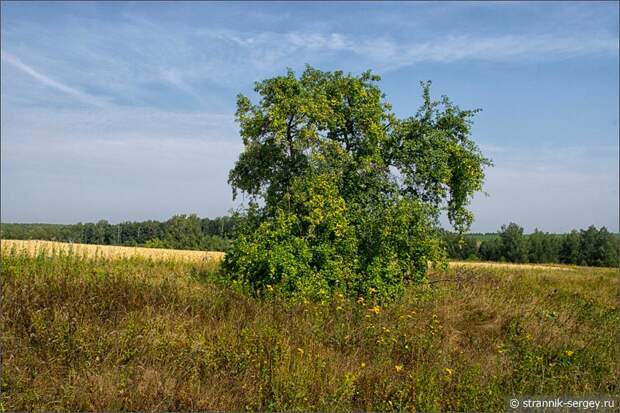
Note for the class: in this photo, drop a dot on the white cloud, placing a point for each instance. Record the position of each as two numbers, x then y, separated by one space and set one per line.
126 58
389 53
40 77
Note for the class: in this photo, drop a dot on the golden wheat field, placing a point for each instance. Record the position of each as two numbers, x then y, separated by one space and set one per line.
35 247
509 265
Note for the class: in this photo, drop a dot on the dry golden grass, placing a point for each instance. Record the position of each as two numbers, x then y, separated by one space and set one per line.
509 265
34 247
85 334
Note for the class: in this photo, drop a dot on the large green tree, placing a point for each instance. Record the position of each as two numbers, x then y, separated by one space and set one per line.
343 196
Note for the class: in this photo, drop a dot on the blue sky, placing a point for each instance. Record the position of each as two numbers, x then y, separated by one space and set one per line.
125 111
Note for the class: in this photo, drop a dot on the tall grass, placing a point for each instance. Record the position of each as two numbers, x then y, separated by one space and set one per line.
86 333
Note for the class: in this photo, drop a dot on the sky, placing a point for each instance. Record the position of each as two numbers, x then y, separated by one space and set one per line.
125 111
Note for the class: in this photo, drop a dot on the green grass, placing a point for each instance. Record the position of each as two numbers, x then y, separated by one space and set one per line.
81 334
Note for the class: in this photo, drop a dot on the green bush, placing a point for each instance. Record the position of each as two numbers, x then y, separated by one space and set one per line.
306 249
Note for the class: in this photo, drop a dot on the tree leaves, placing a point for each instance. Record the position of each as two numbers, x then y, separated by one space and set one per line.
351 194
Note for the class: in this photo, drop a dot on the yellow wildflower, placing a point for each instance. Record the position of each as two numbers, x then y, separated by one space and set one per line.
398 368
449 371
363 364
376 309
569 353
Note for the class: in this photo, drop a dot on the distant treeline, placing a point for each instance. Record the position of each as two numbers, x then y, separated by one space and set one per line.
595 247
180 232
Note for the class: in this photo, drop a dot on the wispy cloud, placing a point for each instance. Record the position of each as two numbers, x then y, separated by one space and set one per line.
390 53
454 48
47 81
125 60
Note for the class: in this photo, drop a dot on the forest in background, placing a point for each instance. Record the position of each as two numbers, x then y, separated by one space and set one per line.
593 246
188 232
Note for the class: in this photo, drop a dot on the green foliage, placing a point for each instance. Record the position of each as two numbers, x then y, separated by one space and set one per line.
344 196
490 250
569 250
155 243
543 247
181 232
597 248
513 245
593 247
306 249
459 246
50 232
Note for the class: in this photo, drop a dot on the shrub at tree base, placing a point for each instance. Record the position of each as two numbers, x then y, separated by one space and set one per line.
343 196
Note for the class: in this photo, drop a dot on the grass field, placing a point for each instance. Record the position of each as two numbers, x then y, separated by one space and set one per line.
105 329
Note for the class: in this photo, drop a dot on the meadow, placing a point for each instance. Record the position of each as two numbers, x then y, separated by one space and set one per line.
107 328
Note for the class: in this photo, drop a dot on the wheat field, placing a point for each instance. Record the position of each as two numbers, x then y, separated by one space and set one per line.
35 247
510 265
